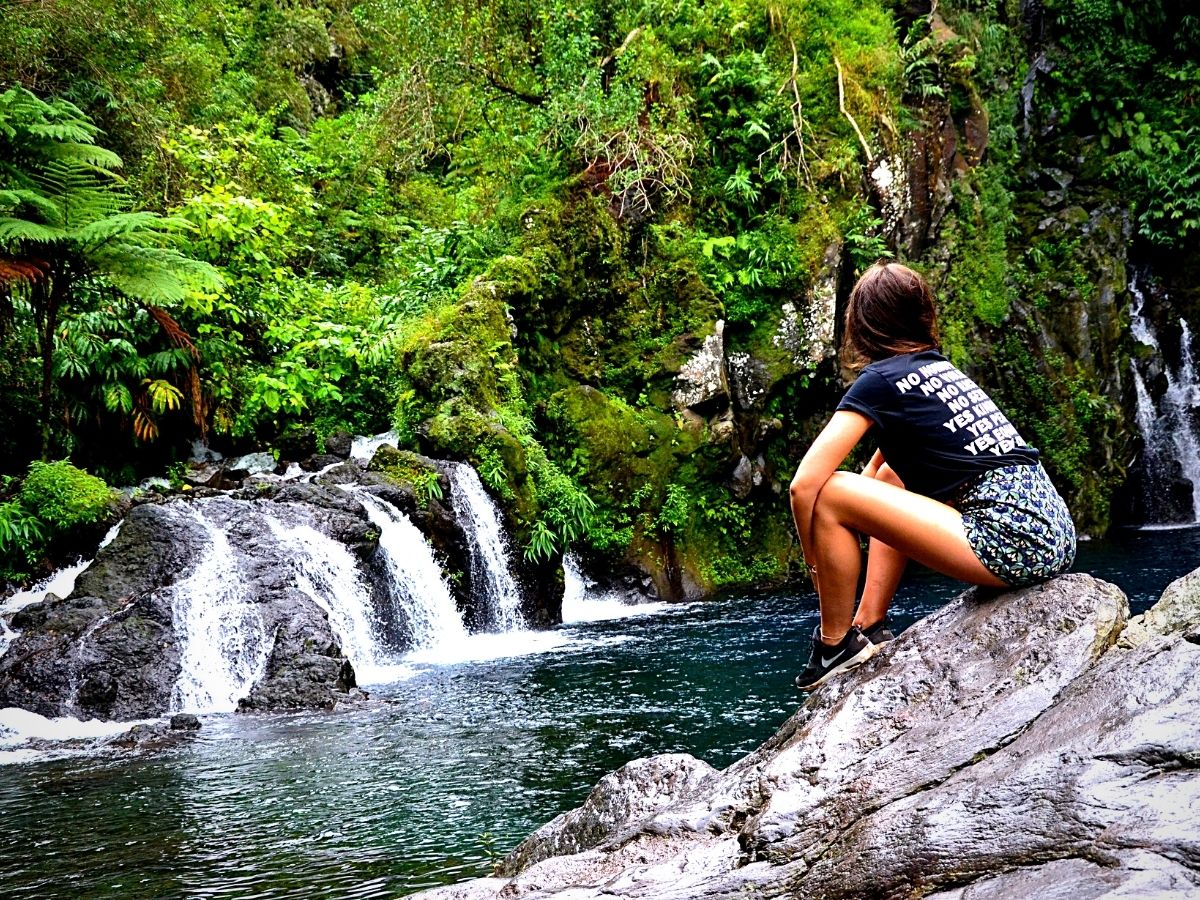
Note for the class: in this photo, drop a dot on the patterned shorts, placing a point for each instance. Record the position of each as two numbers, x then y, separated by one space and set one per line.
1017 524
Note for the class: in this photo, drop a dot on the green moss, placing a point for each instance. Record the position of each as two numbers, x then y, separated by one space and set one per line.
977 283
407 469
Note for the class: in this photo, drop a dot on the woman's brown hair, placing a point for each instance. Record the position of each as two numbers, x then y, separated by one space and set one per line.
890 312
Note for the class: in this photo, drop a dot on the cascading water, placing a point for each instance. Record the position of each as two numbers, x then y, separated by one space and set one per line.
223 637
491 569
363 448
326 573
582 602
1170 433
417 584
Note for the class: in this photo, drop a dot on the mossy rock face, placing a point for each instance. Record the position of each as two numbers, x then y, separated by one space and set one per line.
1054 363
408 469
572 253
462 350
614 447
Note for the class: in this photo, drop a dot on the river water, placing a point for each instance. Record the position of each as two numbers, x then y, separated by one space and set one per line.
460 761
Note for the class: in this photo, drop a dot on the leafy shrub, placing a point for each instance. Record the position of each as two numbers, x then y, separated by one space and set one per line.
63 496
20 533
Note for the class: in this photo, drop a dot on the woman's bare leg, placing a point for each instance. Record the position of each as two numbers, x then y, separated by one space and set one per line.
885 568
911 524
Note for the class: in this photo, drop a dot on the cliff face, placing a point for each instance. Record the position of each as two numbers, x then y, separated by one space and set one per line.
1006 744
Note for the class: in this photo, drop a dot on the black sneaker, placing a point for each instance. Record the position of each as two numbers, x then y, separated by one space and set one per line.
879 633
825 662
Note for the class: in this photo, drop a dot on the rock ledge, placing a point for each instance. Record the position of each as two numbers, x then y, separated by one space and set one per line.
1006 746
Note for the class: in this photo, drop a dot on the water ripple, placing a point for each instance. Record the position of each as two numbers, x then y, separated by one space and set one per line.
457 766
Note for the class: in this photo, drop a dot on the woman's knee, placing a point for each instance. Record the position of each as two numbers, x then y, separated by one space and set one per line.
831 501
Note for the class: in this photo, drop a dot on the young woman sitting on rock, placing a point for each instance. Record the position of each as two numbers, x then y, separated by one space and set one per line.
951 485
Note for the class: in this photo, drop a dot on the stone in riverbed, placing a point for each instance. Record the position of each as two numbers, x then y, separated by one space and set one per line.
339 444
250 464
114 649
1000 748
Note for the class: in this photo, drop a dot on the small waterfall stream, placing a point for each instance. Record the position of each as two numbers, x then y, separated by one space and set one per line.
327 574
1171 429
418 586
223 637
61 583
491 564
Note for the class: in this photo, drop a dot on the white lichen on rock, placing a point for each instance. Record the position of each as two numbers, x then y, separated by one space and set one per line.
702 378
891 182
810 335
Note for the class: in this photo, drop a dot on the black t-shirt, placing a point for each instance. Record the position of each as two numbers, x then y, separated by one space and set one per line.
936 427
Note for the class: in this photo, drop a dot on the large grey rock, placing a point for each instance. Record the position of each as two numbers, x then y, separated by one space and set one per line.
1176 612
114 648
1001 748
702 381
250 464
627 796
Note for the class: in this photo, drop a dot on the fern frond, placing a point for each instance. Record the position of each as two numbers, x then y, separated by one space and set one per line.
27 231
118 225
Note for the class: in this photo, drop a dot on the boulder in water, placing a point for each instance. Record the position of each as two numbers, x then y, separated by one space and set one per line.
122 646
339 444
1000 746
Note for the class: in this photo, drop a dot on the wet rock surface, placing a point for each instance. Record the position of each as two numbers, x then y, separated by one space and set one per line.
1004 747
262 556
625 797
114 649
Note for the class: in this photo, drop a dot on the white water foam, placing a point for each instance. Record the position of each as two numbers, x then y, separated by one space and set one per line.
61 583
490 645
581 602
364 447
224 640
491 565
18 727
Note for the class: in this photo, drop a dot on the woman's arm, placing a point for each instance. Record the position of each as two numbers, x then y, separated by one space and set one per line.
827 452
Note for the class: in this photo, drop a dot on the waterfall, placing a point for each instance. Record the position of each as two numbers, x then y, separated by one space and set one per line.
583 603
363 448
7 636
491 569
61 583
324 571
224 640
1169 429
417 585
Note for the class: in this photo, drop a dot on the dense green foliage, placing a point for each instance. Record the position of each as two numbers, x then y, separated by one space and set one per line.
503 229
54 500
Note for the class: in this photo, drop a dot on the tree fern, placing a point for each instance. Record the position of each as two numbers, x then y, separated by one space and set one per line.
66 224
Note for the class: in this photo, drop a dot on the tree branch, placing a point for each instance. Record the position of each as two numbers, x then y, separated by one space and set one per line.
845 112
508 90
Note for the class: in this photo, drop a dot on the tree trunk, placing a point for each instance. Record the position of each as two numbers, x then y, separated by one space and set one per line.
54 298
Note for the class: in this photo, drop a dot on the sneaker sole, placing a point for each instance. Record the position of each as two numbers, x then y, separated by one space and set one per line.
853 662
